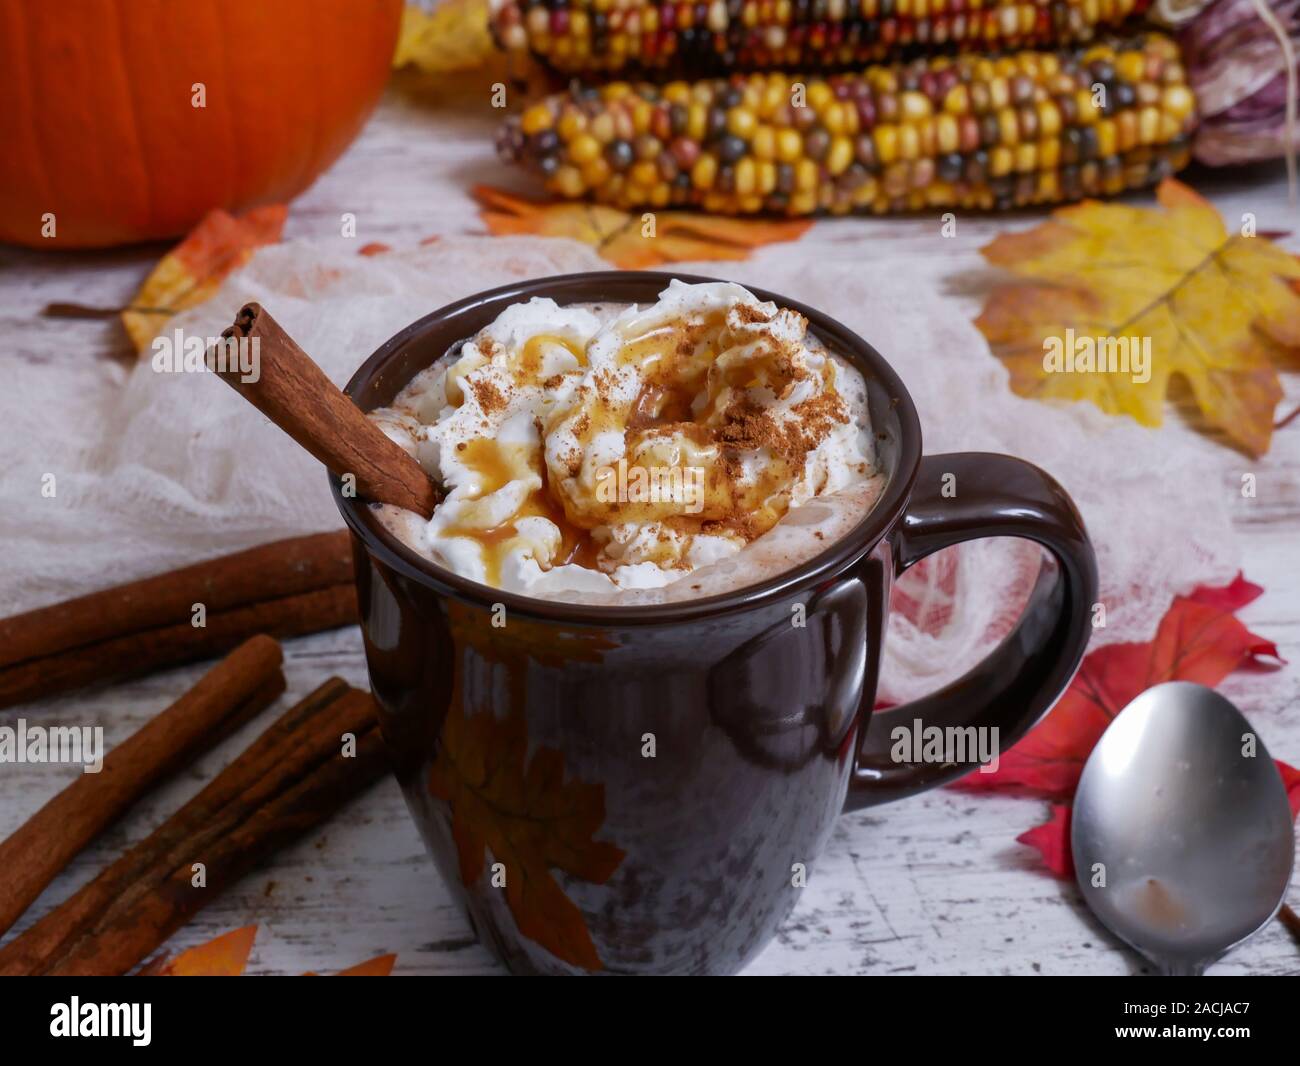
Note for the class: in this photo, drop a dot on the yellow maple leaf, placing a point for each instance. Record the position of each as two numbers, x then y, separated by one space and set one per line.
453 36
520 808
192 271
629 240
1110 282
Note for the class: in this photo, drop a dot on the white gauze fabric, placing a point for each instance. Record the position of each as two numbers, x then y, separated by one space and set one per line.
156 470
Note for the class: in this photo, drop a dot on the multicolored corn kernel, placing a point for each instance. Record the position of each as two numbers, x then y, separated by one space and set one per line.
972 132
720 36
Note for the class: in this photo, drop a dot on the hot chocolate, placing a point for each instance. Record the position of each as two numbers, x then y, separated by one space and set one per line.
616 454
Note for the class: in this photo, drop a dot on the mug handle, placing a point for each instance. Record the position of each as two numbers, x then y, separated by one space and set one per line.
1017 683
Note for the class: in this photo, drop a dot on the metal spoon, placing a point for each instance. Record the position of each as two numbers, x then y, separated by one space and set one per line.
1182 838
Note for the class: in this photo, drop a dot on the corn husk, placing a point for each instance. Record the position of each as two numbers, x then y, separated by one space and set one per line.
1237 66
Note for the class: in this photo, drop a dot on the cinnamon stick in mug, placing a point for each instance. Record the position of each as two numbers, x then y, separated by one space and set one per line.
294 393
226 697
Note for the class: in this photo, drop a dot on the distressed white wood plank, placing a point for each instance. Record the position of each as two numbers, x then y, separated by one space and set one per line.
934 884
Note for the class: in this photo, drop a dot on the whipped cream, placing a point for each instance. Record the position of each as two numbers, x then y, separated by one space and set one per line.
590 450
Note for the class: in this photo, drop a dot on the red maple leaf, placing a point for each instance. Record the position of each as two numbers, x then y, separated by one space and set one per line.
1231 597
1052 838
1291 781
1198 640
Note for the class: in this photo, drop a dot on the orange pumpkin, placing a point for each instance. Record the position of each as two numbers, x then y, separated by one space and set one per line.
100 123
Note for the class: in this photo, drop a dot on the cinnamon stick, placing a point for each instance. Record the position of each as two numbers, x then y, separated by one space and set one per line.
290 779
1290 920
284 589
154 649
269 571
231 693
295 394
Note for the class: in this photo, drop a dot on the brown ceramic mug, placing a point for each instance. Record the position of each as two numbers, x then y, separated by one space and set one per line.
636 789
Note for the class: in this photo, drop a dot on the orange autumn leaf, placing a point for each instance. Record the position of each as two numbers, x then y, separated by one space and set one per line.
227 956
1105 285
379 966
532 820
192 271
631 241
222 956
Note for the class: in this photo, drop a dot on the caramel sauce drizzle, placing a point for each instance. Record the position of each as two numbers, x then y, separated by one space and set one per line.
491 462
530 356
675 400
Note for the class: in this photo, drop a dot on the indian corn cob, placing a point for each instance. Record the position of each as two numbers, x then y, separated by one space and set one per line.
720 36
965 131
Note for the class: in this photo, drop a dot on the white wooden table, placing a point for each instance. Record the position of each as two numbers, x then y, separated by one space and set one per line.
935 884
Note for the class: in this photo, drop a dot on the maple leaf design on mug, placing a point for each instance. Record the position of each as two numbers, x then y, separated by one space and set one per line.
530 818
